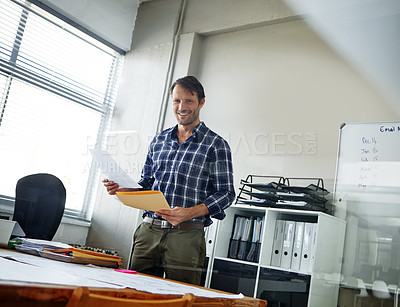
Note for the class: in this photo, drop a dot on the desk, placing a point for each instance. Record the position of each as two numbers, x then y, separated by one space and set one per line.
37 281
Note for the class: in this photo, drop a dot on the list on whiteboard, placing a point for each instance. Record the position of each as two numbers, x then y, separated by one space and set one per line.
369 162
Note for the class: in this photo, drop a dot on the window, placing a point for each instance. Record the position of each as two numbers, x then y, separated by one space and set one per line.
57 92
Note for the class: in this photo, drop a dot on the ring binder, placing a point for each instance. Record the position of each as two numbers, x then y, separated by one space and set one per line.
277 243
297 246
287 245
305 262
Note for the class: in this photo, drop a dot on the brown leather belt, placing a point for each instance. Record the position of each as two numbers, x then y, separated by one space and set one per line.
166 224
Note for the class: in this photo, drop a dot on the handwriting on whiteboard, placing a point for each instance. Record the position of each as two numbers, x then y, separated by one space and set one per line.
369 156
389 128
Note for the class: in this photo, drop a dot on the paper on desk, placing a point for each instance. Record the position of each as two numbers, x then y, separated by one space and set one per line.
111 170
8 229
17 271
43 243
27 267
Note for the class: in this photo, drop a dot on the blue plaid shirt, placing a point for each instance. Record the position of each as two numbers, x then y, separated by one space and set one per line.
197 171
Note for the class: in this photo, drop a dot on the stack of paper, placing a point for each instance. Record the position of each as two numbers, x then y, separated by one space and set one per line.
75 255
64 252
34 246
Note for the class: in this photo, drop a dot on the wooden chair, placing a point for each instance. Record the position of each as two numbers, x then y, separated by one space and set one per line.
81 297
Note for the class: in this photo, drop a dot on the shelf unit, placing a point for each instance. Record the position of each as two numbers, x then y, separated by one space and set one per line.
319 285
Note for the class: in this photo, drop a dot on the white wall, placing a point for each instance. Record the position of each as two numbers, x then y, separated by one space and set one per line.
72 231
280 94
274 89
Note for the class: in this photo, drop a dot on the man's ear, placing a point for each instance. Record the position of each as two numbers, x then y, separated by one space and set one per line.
201 103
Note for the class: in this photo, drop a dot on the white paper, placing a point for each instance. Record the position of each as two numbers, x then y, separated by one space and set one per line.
7 229
43 243
18 271
42 270
111 170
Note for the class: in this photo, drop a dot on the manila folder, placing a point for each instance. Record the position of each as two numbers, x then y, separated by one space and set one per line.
145 200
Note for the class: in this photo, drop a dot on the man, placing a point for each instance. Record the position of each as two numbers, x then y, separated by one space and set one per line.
192 166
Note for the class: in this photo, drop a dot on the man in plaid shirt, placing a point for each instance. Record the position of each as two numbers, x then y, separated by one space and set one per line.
192 166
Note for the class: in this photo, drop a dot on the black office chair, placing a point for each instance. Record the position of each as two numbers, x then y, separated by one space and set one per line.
39 205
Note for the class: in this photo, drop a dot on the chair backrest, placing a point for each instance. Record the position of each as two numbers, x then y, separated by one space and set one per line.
81 297
39 205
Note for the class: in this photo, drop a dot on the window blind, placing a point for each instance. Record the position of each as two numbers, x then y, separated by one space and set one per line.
57 90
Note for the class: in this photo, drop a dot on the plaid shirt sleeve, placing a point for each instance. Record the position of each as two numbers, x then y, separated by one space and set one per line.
221 176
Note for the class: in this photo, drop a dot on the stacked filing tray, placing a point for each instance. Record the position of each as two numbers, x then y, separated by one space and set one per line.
277 192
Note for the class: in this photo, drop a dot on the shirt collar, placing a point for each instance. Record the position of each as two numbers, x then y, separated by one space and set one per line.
197 134
199 131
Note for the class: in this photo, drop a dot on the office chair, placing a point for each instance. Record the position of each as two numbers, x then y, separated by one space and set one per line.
81 297
380 290
39 205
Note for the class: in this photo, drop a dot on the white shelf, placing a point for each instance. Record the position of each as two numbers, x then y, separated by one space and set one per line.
326 265
238 261
282 269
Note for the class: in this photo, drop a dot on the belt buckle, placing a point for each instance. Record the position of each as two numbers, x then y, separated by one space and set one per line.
166 224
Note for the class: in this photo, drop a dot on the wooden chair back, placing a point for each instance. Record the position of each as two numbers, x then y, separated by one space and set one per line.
81 297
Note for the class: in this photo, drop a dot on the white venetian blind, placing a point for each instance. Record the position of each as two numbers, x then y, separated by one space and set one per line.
57 90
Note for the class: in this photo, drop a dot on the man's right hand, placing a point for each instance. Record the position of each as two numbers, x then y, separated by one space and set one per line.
110 186
113 187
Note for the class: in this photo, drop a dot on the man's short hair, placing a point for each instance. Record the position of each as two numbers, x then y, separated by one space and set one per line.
191 84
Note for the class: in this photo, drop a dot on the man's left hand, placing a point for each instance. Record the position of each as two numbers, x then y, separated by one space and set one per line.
179 214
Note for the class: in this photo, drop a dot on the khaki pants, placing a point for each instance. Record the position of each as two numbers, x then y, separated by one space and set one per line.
177 253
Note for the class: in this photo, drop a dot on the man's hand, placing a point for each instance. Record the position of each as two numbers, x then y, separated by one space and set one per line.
179 214
113 187
110 186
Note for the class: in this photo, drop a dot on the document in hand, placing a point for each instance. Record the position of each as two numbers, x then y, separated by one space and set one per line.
111 170
145 200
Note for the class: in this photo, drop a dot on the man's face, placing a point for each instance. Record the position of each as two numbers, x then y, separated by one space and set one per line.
186 106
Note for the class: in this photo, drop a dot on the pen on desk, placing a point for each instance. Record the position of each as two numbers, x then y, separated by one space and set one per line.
125 271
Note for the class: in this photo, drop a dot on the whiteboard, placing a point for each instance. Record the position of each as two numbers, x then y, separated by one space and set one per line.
368 167
367 195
